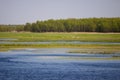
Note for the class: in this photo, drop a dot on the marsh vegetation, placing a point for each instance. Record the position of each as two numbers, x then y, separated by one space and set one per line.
94 42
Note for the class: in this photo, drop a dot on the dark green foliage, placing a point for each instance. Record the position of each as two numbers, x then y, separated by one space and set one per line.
68 25
11 28
78 25
27 27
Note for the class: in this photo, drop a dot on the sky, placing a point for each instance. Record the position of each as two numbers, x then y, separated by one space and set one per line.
23 11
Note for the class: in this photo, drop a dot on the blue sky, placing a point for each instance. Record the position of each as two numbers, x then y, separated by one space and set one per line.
22 11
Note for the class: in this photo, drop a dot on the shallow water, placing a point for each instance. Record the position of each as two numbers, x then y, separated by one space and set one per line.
58 42
56 64
7 39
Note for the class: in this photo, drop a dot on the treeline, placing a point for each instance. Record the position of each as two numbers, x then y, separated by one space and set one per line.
11 28
74 25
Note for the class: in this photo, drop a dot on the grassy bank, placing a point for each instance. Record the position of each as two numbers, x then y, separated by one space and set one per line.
83 46
85 37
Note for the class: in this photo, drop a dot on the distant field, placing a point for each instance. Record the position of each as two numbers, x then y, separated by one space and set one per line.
76 36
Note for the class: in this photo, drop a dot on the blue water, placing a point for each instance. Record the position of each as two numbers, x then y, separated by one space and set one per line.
51 64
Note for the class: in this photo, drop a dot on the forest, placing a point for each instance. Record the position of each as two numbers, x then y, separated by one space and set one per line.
67 25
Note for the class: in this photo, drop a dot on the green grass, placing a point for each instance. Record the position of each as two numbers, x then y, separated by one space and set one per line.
76 36
83 46
85 37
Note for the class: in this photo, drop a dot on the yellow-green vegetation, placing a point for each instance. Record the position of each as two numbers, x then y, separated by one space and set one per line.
84 48
90 58
75 36
101 50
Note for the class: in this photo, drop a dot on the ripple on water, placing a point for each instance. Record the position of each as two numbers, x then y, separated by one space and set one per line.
35 64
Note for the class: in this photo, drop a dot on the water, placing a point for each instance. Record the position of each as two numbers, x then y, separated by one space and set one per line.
57 42
56 64
7 39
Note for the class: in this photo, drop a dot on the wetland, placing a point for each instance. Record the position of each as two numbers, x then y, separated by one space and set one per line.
59 56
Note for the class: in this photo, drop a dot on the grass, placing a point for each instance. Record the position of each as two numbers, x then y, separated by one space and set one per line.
85 37
93 58
96 51
83 46
74 36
